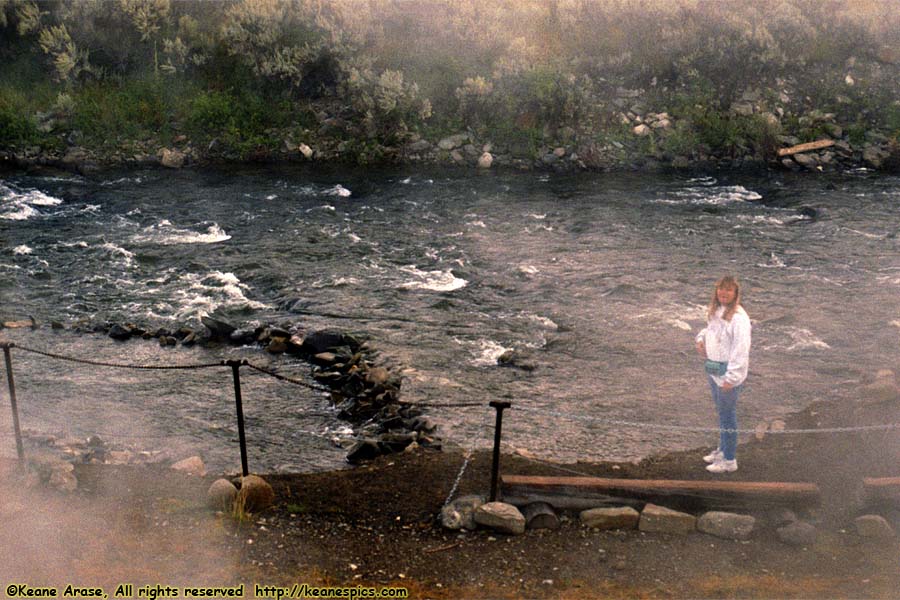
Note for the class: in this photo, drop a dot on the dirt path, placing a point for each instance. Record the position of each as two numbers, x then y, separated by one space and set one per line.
376 525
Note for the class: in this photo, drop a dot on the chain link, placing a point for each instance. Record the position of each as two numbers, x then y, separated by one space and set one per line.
270 373
96 363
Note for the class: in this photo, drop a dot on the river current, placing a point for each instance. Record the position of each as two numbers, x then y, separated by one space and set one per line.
597 283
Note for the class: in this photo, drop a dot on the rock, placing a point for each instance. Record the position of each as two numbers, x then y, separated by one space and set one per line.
363 450
726 525
663 520
192 466
63 480
255 494
873 157
881 390
744 109
460 514
807 161
378 376
641 130
874 526
623 517
771 119
306 151
681 162
221 495
662 124
419 147
317 342
277 346
485 161
454 141
457 156
797 533
501 517
120 333
172 159
218 329
834 130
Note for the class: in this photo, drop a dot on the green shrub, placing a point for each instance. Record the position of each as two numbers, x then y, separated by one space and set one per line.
16 123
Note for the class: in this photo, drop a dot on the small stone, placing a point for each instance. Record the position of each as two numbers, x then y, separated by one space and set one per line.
306 151
641 130
485 161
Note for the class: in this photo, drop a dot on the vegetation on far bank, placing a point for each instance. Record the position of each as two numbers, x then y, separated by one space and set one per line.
248 78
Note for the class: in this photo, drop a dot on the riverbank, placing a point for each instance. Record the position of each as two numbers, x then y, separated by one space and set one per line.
376 525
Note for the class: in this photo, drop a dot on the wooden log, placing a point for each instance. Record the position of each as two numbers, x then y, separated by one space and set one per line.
691 493
881 489
808 147
540 515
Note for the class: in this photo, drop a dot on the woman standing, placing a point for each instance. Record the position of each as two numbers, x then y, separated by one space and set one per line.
725 344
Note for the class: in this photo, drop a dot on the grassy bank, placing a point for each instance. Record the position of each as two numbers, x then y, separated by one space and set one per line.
370 82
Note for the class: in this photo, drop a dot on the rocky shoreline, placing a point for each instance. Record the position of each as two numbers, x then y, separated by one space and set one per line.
364 390
630 130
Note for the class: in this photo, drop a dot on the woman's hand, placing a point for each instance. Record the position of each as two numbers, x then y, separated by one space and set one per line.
701 348
727 387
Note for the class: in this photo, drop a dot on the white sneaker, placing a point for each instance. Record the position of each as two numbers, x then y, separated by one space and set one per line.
723 466
714 456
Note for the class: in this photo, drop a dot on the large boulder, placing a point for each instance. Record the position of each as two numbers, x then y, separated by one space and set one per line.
256 494
219 330
221 495
318 342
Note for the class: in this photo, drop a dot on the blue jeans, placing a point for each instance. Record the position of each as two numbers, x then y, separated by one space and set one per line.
726 406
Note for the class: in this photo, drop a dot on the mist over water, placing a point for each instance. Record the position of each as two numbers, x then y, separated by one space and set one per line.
600 282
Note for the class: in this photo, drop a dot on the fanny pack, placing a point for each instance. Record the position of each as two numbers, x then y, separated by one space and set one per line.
714 367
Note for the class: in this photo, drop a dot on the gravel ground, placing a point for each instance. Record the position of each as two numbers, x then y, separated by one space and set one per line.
377 525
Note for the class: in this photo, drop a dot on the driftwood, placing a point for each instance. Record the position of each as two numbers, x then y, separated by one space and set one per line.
579 491
881 489
808 147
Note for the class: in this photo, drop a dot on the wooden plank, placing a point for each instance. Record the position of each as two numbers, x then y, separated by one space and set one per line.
878 489
808 147
691 491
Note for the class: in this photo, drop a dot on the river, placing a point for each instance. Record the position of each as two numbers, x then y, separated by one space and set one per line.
598 283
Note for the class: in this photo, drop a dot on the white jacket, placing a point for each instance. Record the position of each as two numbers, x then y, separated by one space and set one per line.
728 341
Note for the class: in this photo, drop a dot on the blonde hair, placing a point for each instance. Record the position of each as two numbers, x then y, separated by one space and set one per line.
728 282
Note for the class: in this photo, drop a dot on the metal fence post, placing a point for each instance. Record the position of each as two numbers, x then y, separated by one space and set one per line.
12 401
495 466
235 366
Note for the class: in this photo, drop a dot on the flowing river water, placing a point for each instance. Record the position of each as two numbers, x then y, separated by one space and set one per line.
597 283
